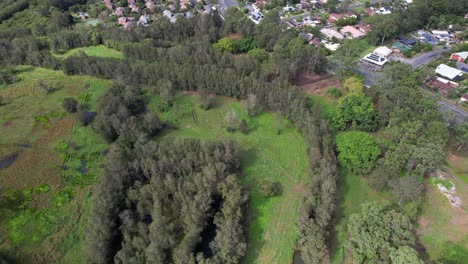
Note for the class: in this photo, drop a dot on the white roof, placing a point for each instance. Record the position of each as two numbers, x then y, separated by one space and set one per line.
442 80
440 32
331 46
383 51
448 71
462 54
375 59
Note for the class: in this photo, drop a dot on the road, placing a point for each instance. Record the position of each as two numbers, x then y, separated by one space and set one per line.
423 59
372 78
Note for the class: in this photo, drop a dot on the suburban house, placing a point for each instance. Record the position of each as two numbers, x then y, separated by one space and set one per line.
331 33
369 11
459 56
443 85
375 60
119 11
150 5
464 98
406 41
108 4
383 51
462 66
449 72
351 32
306 36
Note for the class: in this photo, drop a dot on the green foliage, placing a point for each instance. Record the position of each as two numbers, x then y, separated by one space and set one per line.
43 188
225 44
258 54
405 255
243 45
355 111
334 92
453 254
357 151
268 188
41 119
377 231
63 197
354 85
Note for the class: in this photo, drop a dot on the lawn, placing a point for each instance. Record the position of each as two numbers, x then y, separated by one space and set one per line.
94 51
45 217
264 154
353 190
441 224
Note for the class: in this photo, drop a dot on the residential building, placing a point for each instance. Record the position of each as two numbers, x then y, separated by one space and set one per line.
375 60
449 72
459 56
383 51
351 32
331 33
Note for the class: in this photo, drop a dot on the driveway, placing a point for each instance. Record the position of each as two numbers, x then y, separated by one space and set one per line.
225 4
422 59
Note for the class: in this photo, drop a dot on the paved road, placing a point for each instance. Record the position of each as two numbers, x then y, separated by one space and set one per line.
295 16
372 78
423 59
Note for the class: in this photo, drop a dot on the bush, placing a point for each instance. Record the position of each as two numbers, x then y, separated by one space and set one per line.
268 188
70 104
334 92
357 151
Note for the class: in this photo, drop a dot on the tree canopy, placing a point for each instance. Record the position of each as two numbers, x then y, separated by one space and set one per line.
357 151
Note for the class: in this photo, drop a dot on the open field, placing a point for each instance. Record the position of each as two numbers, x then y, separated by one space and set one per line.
264 155
441 224
353 190
94 51
44 193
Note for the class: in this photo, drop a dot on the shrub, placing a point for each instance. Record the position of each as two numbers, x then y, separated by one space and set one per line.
357 151
268 188
70 104
334 92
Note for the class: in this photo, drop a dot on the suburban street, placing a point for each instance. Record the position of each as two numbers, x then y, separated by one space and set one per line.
422 59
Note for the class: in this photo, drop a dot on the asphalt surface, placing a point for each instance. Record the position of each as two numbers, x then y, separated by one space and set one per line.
423 59
371 78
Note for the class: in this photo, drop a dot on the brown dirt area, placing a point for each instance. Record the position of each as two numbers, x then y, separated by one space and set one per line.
235 36
317 84
38 164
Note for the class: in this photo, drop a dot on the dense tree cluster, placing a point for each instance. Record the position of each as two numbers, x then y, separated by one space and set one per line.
357 151
380 234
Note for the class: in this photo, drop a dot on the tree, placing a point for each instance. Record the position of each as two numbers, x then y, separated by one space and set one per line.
384 26
224 44
232 121
355 110
69 104
461 135
258 54
357 151
405 255
408 188
377 231
268 188
251 105
354 85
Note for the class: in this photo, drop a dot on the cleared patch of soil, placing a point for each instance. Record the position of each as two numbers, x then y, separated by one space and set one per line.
235 36
313 83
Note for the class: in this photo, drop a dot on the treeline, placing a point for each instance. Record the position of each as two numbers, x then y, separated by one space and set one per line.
176 201
9 8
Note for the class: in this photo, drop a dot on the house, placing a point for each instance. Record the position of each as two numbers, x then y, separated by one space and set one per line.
383 51
459 56
108 4
330 45
143 21
150 5
443 85
351 32
464 98
82 15
126 22
375 60
406 41
335 16
184 4
306 36
366 28
168 14
462 66
289 9
428 38
369 11
119 11
449 72
349 14
331 33
383 11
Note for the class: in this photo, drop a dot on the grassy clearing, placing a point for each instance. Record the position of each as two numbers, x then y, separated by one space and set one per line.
94 51
44 218
264 155
440 224
353 190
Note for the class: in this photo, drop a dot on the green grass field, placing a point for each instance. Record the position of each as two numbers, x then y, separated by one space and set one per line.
264 155
45 219
94 51
353 191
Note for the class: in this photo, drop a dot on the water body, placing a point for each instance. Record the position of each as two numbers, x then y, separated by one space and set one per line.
6 162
